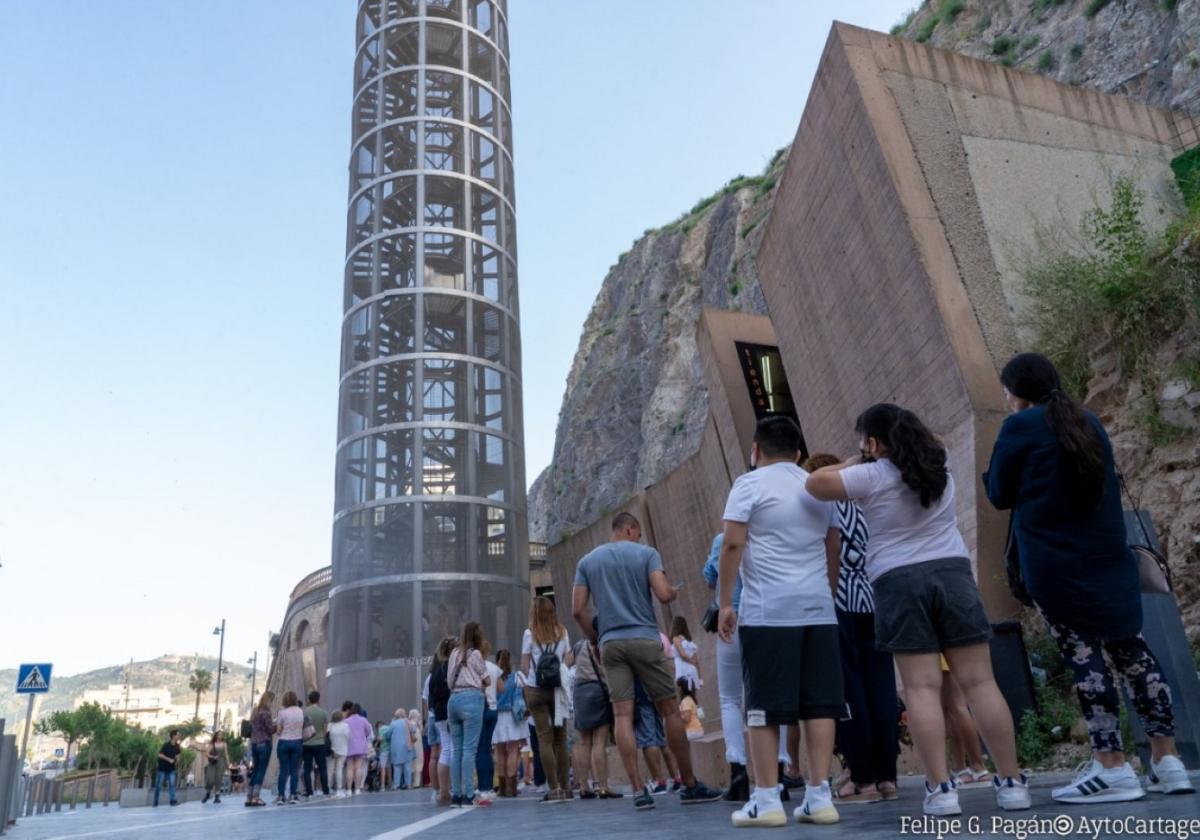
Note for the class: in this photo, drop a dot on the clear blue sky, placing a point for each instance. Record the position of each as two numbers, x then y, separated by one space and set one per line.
172 231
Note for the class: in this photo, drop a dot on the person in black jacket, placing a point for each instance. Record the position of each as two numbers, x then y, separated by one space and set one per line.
1053 466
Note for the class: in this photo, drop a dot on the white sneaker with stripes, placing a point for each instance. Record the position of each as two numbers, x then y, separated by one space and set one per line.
1169 776
1095 784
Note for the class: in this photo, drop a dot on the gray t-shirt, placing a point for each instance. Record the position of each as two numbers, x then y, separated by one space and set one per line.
618 575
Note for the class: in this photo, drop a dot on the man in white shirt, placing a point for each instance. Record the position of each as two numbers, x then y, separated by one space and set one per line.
785 545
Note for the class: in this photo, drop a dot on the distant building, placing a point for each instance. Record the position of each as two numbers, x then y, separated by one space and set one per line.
152 708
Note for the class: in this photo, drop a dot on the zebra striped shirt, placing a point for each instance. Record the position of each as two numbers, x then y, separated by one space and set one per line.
854 593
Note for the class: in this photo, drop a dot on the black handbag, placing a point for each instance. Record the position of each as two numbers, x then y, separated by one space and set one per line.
711 616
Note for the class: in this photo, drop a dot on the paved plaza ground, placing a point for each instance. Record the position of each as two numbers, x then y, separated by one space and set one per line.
392 816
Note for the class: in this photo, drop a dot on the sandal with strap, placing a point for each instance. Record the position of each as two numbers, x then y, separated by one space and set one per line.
857 795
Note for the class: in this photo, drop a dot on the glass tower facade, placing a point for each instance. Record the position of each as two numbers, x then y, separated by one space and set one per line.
429 525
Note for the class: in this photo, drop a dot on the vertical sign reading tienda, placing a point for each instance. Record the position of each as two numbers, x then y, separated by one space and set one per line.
429 524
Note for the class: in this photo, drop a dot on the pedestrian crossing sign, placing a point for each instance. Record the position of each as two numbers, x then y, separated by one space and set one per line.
34 678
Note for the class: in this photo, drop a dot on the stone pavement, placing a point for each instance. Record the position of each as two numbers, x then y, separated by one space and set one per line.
394 816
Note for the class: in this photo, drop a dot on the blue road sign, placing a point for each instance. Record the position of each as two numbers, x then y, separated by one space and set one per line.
34 678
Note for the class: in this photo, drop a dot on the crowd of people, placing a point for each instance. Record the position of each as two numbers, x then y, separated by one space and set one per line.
833 576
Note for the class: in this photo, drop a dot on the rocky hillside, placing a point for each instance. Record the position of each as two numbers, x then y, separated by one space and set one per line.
171 671
1144 49
1161 460
635 387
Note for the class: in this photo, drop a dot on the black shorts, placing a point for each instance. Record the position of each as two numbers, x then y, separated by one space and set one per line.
928 607
791 674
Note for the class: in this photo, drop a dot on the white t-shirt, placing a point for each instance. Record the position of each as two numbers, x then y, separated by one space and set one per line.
495 674
535 653
785 574
683 668
339 737
902 532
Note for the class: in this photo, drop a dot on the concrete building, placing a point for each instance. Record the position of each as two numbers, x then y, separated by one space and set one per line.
430 484
153 708
918 183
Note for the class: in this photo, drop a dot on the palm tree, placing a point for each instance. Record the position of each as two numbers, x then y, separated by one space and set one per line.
200 681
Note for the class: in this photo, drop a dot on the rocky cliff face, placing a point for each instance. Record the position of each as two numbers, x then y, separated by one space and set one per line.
1162 470
635 402
1148 50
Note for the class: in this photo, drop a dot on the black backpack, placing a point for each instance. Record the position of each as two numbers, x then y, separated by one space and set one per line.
439 691
547 672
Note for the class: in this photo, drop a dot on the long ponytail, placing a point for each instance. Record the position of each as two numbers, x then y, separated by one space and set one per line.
1033 378
920 457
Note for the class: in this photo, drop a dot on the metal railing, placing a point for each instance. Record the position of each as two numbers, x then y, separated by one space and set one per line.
312 582
40 794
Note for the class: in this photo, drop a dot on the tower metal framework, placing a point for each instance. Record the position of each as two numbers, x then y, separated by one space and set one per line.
429 525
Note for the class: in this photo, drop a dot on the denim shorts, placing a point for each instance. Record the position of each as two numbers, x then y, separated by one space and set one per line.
648 728
431 732
929 606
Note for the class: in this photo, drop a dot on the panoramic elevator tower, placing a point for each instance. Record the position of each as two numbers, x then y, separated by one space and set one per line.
429 523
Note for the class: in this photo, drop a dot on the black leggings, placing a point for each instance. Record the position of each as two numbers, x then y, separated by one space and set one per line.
1097 689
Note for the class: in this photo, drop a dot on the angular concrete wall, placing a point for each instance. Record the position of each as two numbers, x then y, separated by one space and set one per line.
918 181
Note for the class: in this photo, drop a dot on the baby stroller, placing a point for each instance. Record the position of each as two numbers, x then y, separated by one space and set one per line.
374 781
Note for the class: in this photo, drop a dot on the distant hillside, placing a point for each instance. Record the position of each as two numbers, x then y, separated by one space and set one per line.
170 670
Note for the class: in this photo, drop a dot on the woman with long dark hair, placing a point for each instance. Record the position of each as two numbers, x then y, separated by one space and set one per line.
468 679
215 767
437 697
926 599
1053 467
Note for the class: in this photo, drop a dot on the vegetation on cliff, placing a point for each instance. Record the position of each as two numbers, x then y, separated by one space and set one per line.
1127 288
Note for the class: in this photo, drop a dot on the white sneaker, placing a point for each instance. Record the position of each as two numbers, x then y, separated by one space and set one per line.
817 806
1169 776
1012 794
756 814
1095 784
942 801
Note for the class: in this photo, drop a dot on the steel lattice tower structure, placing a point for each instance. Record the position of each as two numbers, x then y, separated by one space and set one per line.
429 525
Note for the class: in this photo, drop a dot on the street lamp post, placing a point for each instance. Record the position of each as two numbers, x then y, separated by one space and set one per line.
219 631
253 663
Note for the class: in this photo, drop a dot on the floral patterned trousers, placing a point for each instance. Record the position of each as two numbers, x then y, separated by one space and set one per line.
1097 689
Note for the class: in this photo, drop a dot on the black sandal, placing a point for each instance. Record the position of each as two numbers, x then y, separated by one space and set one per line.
605 793
588 794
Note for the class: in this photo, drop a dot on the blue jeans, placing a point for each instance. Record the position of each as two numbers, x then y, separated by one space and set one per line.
466 720
289 765
169 775
485 768
261 753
